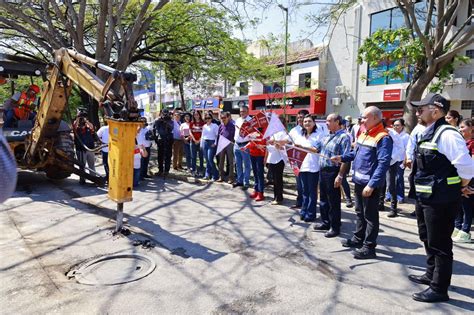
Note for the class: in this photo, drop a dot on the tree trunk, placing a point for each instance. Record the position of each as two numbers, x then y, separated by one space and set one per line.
414 94
181 93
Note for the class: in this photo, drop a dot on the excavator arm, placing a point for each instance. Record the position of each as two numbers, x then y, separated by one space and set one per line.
70 66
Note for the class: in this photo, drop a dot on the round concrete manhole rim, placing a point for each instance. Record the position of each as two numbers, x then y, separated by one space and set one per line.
83 272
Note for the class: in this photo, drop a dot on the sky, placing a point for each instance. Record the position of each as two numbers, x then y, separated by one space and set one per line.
273 21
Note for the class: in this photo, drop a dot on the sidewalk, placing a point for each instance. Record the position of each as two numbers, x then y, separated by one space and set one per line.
215 252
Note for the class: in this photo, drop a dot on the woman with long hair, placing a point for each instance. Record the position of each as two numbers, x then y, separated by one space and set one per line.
453 118
185 130
196 132
209 143
309 170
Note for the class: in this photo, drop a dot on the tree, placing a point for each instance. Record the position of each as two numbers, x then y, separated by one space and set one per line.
194 41
424 49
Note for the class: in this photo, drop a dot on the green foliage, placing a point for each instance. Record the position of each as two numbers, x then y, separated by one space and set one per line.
386 46
195 39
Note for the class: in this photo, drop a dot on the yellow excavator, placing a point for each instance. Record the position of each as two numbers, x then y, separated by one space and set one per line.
46 143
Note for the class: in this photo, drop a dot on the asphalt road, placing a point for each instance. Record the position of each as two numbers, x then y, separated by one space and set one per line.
215 252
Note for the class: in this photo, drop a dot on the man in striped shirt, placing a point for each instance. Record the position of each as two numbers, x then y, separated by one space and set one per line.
336 143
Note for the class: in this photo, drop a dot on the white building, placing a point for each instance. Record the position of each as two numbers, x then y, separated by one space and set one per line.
349 95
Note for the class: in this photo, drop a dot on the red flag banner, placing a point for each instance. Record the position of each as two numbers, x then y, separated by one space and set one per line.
246 129
261 121
296 157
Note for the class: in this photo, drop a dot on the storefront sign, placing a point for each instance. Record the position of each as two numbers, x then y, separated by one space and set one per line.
392 95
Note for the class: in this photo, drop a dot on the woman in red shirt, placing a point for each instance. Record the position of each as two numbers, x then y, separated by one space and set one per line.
257 149
195 127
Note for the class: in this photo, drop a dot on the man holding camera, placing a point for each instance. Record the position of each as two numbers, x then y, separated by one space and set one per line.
163 133
84 136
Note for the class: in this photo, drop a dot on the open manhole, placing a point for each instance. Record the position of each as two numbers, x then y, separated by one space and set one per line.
113 269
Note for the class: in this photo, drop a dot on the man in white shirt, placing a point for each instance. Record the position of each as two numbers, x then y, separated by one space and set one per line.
242 157
398 155
294 134
103 134
144 138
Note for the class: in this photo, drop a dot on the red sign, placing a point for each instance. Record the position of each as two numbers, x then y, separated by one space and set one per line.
296 157
392 95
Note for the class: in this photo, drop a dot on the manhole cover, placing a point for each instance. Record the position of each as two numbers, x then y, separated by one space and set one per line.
113 269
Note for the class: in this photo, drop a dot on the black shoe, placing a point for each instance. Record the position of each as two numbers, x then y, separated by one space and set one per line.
321 227
245 187
159 173
237 185
423 279
364 253
350 243
413 214
147 176
392 214
295 207
309 219
331 233
349 204
430 296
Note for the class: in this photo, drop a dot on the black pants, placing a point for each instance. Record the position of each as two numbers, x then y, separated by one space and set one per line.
435 226
391 182
165 150
330 199
277 174
366 208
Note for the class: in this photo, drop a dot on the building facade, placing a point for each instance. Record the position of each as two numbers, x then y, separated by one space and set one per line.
349 95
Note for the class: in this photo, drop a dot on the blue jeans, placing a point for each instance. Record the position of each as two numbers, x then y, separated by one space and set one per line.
399 185
464 218
209 154
258 173
299 189
195 150
310 194
187 154
242 157
136 177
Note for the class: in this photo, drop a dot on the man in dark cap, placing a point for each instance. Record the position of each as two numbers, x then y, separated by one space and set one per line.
443 171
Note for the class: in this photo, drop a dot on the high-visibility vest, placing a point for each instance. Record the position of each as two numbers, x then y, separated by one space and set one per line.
436 179
25 106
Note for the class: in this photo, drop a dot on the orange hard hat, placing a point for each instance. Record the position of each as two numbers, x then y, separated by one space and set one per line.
34 88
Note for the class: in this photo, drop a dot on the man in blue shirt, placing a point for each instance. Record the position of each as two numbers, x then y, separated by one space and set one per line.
371 160
337 142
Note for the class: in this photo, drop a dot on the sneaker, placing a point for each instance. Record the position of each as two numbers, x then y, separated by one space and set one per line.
462 237
349 204
237 184
455 233
276 202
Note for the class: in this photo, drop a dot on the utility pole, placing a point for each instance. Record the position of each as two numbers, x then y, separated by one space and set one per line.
286 58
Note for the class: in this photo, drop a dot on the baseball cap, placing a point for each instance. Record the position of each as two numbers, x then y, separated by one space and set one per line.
34 88
433 99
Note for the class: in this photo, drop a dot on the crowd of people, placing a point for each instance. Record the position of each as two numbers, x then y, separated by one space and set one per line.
438 153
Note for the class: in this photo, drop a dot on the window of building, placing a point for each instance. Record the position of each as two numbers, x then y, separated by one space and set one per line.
466 105
391 19
470 53
304 80
243 88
